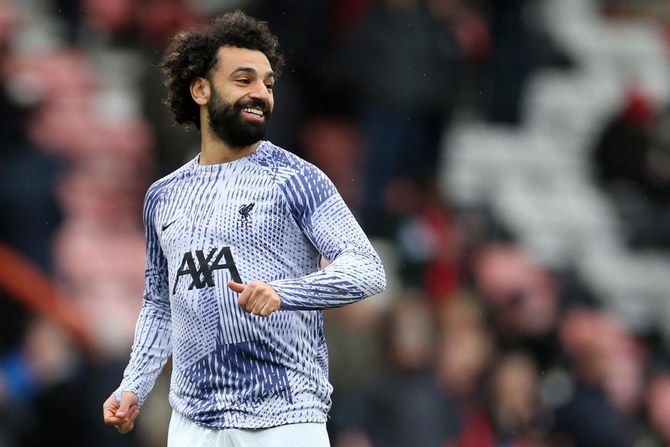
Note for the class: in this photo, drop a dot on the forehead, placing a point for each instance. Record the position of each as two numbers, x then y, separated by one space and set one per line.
231 58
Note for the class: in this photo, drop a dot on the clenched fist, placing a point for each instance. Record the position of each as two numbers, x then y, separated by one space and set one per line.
256 297
121 415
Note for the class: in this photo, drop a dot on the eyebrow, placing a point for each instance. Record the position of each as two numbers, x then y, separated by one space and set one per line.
249 70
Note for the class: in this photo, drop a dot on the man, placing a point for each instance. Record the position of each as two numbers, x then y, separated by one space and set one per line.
235 241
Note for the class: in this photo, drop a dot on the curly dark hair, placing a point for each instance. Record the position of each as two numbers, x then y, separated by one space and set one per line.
193 53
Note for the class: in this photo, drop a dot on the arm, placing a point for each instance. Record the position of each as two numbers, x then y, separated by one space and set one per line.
152 346
354 271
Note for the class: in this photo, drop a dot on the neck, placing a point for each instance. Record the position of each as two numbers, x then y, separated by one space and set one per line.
214 151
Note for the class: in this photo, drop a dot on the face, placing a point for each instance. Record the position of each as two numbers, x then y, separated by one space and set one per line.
241 99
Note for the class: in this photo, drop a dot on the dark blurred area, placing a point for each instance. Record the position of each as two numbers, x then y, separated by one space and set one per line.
510 160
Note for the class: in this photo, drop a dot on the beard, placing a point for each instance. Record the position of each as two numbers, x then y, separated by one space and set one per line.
227 123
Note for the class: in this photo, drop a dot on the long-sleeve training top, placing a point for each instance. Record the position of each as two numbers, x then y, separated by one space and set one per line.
270 216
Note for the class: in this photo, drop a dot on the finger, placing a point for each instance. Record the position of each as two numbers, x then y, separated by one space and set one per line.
265 311
257 307
247 302
128 401
125 427
109 414
262 303
268 309
248 298
109 408
134 412
111 402
262 306
236 286
119 417
112 419
123 411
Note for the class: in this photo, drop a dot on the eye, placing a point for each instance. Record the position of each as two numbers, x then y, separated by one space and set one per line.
269 86
243 81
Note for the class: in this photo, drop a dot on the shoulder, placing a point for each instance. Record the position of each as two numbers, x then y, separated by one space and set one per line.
283 164
159 187
303 184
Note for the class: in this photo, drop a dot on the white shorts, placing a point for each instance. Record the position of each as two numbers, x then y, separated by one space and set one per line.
185 433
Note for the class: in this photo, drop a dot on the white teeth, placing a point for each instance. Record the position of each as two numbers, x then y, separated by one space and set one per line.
254 112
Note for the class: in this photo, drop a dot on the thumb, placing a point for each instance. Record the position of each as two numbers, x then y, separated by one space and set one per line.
127 400
236 286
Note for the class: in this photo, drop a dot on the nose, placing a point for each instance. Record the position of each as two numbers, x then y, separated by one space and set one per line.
260 91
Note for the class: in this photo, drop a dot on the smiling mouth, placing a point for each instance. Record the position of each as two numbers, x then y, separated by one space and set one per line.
254 111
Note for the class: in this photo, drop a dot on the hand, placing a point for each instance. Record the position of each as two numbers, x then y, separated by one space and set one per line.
256 297
121 416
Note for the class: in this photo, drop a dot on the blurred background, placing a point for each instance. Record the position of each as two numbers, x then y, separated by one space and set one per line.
510 160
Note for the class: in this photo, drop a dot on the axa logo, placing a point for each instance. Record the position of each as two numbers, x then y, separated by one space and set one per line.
244 210
199 267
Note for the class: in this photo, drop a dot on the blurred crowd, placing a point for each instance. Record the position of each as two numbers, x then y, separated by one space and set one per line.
474 344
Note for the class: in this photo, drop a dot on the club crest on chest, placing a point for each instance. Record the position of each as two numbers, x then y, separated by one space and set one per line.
245 214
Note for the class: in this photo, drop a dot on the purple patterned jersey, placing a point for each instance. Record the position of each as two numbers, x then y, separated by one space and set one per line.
270 216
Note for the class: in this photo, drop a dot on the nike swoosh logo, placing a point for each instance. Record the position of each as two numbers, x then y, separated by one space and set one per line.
167 225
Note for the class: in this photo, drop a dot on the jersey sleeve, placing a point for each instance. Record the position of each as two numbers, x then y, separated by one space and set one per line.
354 272
152 345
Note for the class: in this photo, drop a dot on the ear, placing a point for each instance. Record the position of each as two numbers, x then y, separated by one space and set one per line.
200 90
